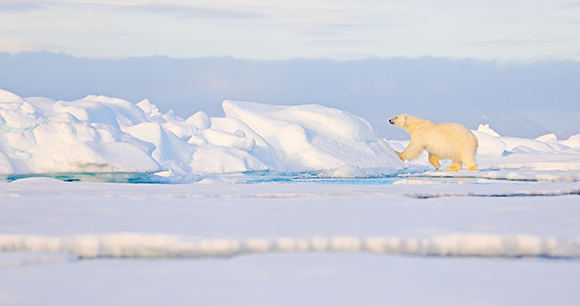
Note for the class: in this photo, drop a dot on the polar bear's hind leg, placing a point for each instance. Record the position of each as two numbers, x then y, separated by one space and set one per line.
455 166
469 162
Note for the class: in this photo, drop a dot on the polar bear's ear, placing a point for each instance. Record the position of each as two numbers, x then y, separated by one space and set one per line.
404 118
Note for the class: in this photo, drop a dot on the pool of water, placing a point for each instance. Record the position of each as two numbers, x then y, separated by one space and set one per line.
255 178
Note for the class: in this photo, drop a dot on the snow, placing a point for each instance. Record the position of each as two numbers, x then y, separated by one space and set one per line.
222 240
276 205
179 216
103 134
126 245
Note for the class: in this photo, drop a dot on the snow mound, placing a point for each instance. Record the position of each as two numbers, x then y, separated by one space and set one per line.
132 245
101 134
313 137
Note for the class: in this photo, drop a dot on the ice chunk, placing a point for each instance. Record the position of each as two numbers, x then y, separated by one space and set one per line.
572 142
484 128
531 144
126 112
6 96
489 146
169 151
200 120
313 137
88 111
262 149
15 113
149 109
548 137
111 157
213 159
6 166
217 137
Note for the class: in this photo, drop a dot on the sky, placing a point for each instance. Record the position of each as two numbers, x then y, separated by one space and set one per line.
470 92
505 30
502 62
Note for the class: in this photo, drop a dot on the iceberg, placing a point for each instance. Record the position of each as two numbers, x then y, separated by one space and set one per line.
100 134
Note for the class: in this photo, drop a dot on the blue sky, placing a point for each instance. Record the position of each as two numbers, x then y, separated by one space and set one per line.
489 30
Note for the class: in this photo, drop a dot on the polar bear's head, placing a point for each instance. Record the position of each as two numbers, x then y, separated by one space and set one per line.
409 123
399 121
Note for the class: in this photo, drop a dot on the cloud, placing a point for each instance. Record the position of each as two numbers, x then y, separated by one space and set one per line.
65 28
513 42
20 6
282 29
573 4
346 41
15 45
188 11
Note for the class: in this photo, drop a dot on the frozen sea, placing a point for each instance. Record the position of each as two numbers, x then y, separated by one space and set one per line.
409 242
105 202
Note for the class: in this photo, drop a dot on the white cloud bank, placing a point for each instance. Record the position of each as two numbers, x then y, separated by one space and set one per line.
506 30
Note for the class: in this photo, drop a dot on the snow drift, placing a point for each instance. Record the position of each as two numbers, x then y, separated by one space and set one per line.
102 134
132 245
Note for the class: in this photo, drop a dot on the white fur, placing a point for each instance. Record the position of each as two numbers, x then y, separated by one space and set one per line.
443 141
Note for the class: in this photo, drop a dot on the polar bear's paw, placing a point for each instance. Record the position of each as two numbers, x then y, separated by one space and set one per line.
455 166
474 168
434 160
401 156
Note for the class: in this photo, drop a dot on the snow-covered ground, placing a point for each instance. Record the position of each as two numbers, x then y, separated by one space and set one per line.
273 205
213 243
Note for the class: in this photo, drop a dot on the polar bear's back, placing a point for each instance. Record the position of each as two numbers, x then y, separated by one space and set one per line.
447 140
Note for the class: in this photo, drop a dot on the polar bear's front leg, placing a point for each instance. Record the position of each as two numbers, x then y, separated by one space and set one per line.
434 160
411 152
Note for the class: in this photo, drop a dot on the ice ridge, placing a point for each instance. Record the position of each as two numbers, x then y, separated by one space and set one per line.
133 245
99 134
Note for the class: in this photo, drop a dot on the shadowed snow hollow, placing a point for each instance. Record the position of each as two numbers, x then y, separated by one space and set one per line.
102 134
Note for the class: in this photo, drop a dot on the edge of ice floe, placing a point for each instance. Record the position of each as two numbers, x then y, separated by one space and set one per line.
503 175
132 245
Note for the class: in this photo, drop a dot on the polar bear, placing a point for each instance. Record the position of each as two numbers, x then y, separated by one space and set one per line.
443 141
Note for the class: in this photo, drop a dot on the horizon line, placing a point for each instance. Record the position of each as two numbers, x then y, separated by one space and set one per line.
498 61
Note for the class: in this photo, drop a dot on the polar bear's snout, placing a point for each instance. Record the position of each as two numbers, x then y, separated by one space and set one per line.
398 120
